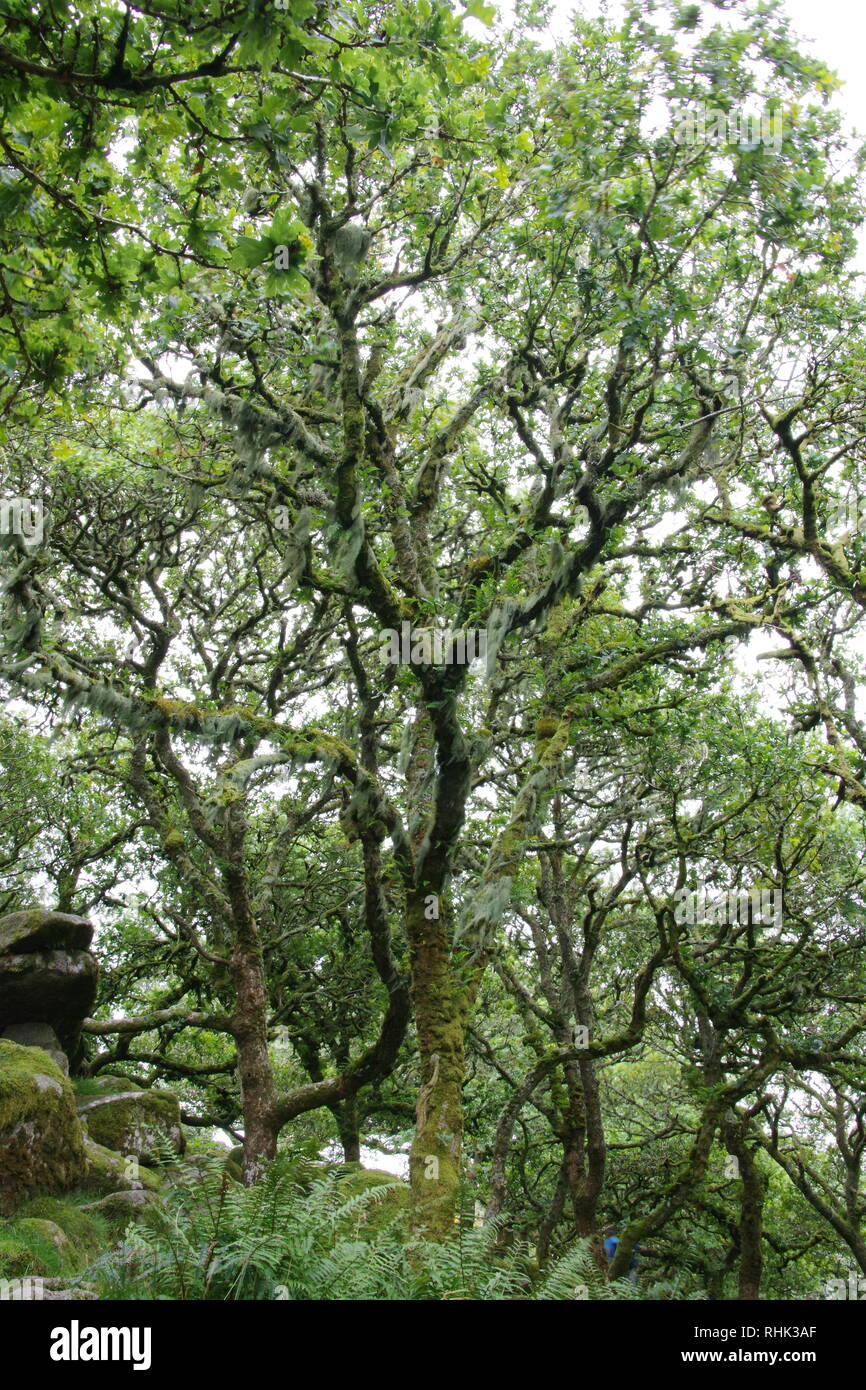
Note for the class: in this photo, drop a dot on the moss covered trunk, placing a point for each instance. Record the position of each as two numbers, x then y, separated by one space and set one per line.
254 1068
250 1024
439 1006
751 1209
346 1115
583 1145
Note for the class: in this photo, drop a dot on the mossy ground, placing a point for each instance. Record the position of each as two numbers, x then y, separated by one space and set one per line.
31 1245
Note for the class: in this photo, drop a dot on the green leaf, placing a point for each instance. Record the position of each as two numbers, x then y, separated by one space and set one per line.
250 252
476 9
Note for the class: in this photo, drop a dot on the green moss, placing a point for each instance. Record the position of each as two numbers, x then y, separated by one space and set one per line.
86 1086
106 1083
86 1232
234 1163
17 1067
32 1246
16 1258
111 1172
110 1083
41 1143
178 708
144 1124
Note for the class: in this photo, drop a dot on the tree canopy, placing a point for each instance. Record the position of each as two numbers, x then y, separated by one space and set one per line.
325 329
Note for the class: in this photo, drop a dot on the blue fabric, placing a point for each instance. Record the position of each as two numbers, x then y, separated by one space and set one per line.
610 1245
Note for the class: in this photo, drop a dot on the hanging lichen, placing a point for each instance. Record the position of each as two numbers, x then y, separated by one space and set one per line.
498 627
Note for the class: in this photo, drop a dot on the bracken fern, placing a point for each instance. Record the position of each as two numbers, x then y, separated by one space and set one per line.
306 1237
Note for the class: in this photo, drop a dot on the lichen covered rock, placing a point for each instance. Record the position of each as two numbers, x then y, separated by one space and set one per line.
41 1144
39 1035
138 1123
54 987
110 1172
43 930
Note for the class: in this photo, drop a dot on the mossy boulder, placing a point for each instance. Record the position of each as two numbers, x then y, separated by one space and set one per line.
56 987
34 1246
39 1035
234 1163
373 1215
110 1172
41 1144
138 1123
119 1208
40 929
85 1231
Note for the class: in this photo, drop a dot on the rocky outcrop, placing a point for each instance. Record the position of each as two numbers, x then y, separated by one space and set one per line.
39 1035
40 929
41 1143
51 1140
108 1172
138 1123
47 974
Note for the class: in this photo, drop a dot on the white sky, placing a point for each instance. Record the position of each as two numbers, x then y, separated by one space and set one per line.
832 30
838 28
835 30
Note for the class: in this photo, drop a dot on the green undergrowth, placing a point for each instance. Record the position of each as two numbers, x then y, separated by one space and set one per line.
58 1236
308 1234
87 1086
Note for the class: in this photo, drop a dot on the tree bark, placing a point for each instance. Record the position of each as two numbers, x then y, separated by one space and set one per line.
250 1027
346 1115
440 1012
751 1210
